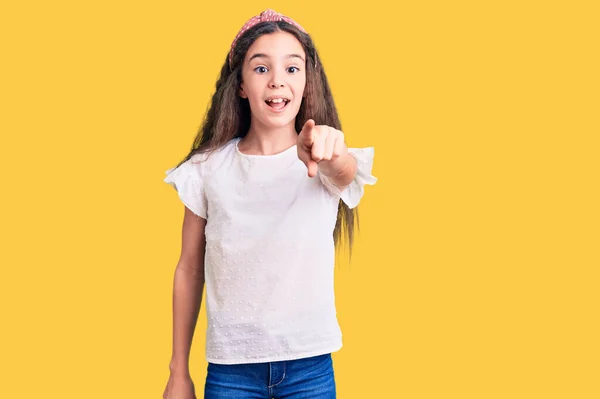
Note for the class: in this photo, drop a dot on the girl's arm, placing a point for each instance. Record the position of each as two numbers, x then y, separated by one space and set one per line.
340 171
188 287
322 148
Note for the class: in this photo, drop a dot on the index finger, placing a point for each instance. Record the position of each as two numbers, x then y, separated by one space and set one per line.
308 131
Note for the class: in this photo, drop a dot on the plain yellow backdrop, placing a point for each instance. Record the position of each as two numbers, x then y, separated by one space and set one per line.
475 272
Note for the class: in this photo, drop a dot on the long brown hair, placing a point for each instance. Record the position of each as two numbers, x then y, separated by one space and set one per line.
228 115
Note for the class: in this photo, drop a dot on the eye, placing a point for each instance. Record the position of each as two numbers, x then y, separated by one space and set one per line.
260 67
296 68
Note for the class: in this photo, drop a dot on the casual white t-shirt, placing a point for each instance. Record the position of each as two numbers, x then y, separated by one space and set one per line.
269 260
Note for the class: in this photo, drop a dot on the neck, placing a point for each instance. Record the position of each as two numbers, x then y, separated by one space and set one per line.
261 140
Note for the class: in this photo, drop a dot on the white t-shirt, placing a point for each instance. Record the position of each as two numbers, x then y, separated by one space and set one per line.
269 260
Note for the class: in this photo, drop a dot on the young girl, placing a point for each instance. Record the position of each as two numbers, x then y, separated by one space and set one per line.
269 188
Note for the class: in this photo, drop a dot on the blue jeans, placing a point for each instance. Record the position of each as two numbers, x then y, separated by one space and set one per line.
310 377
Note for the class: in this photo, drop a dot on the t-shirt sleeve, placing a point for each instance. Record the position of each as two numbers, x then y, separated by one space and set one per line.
352 194
187 180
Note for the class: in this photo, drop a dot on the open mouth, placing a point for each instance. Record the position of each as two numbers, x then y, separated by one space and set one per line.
277 104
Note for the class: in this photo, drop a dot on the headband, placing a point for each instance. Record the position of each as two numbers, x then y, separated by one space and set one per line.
267 15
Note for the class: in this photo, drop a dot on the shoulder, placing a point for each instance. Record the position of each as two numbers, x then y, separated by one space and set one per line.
200 164
213 159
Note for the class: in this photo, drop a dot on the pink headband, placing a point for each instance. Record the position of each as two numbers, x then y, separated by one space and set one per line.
267 15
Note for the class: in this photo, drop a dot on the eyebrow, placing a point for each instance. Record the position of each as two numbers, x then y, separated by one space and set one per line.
261 55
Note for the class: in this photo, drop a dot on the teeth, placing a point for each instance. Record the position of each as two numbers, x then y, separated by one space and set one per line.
276 100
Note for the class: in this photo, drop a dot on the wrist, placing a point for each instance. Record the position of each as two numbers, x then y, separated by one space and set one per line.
340 167
179 368
336 167
342 175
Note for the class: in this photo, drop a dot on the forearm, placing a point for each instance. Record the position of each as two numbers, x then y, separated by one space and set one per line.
187 299
340 171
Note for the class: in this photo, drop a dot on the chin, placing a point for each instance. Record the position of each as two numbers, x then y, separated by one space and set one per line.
280 123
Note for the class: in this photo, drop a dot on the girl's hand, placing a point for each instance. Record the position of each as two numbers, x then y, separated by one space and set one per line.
318 144
179 387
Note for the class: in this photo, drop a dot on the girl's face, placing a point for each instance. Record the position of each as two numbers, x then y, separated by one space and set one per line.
274 68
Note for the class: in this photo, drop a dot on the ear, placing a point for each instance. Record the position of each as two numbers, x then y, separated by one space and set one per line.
242 93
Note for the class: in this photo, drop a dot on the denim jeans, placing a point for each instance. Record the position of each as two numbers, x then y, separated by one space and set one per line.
310 377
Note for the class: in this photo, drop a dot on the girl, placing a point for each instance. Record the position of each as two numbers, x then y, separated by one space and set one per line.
269 187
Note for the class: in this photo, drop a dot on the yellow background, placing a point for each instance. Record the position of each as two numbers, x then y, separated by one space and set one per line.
475 274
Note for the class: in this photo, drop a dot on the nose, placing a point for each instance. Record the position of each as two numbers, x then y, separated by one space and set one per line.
276 81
